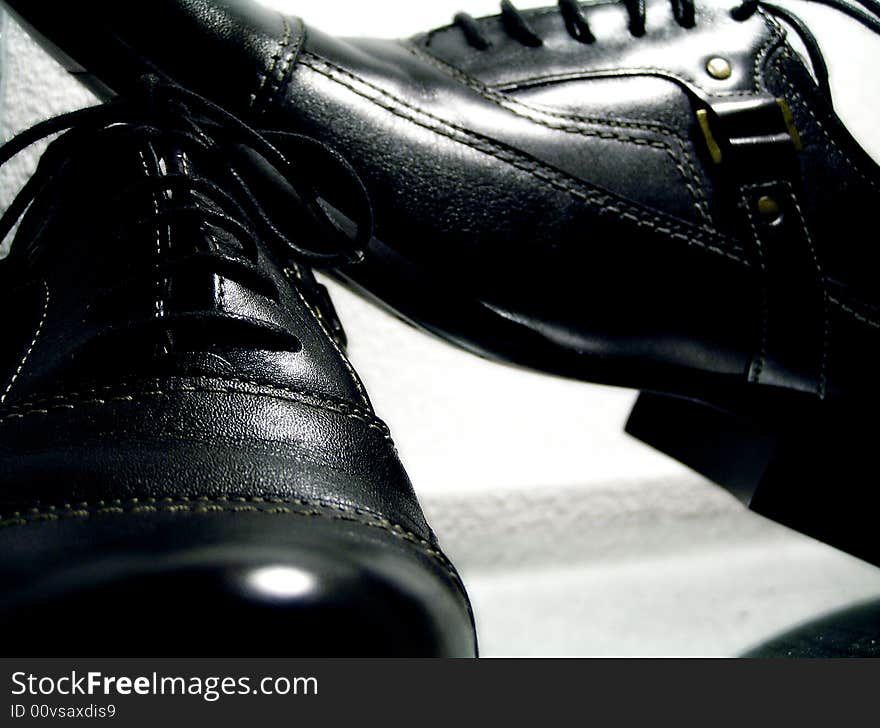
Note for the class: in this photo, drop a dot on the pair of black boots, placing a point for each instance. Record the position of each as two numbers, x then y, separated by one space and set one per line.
653 197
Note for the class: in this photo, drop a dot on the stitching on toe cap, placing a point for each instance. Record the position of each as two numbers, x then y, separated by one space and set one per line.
230 504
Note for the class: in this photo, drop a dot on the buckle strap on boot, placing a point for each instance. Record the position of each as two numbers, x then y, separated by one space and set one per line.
755 144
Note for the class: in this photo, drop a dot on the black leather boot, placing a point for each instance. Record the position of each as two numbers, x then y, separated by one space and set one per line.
655 195
188 463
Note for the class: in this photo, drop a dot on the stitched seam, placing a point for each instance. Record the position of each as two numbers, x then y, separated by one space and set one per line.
822 379
528 112
345 362
852 312
71 401
777 35
208 504
800 103
232 498
297 392
759 360
510 104
30 349
283 74
605 202
73 405
616 72
695 186
540 171
263 78
820 280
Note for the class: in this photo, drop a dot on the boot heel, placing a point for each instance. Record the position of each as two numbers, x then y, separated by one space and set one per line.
813 470
823 481
728 448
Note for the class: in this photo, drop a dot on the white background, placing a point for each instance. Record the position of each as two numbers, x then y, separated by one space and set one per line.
573 539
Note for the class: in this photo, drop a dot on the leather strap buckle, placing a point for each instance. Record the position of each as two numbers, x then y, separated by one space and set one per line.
750 133
755 144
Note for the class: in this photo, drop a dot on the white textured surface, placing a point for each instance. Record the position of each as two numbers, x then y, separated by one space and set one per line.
573 538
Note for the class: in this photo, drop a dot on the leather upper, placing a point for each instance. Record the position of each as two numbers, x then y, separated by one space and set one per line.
177 412
569 189
86 416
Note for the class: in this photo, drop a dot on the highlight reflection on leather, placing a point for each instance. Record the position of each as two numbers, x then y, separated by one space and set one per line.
315 587
545 195
654 195
184 446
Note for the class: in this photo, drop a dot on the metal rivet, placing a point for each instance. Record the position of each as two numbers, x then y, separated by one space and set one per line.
719 68
768 207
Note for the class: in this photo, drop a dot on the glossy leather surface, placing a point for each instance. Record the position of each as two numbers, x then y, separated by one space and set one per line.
157 478
225 577
558 206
